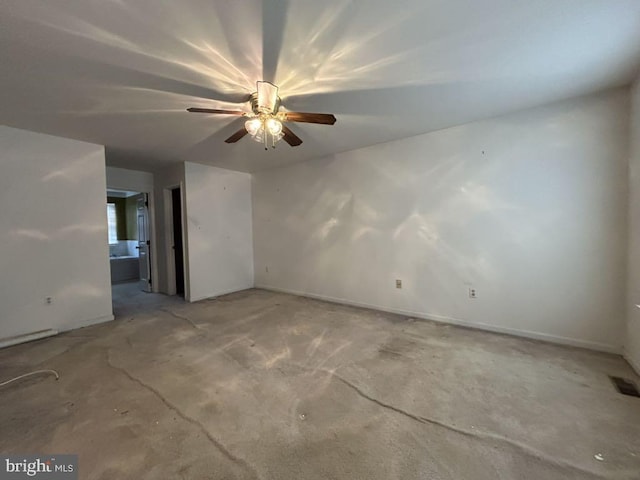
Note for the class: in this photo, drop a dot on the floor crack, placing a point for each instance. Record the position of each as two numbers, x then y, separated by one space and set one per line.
181 317
525 449
217 444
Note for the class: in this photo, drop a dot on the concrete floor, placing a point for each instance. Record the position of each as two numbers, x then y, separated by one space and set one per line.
265 385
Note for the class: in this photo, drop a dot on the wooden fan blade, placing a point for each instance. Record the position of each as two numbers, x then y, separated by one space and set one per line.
213 110
237 136
323 118
290 137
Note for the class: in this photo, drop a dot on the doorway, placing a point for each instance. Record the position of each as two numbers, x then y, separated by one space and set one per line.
129 239
178 248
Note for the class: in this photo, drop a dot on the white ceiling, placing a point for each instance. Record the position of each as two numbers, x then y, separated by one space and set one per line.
122 72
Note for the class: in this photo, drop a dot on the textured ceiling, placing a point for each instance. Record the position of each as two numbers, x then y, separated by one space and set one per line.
122 72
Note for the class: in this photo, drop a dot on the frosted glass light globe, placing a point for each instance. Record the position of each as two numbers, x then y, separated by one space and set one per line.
253 125
274 126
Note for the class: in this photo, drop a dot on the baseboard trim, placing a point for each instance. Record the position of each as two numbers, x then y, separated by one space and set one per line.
218 294
86 323
27 337
600 347
631 361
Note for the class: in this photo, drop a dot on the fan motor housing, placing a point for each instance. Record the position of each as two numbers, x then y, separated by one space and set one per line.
253 99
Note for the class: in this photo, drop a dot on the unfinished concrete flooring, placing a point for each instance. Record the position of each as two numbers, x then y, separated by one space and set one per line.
265 385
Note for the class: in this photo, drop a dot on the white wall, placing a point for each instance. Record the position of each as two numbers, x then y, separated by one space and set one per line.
219 231
132 180
529 209
632 344
53 233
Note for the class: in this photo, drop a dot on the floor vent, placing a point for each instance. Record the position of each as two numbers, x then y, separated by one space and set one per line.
625 387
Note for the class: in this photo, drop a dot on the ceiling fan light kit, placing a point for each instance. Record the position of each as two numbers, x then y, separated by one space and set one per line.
265 122
264 125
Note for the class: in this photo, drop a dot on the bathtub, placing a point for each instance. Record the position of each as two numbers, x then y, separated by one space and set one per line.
124 269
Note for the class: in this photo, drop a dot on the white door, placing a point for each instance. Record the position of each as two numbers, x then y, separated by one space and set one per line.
144 247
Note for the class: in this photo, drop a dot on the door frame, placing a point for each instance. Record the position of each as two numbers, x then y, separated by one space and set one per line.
143 200
152 228
168 240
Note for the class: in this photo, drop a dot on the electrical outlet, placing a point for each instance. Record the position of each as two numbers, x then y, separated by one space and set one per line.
48 300
398 283
266 269
473 293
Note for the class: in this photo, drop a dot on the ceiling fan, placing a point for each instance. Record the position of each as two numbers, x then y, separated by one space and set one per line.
265 122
